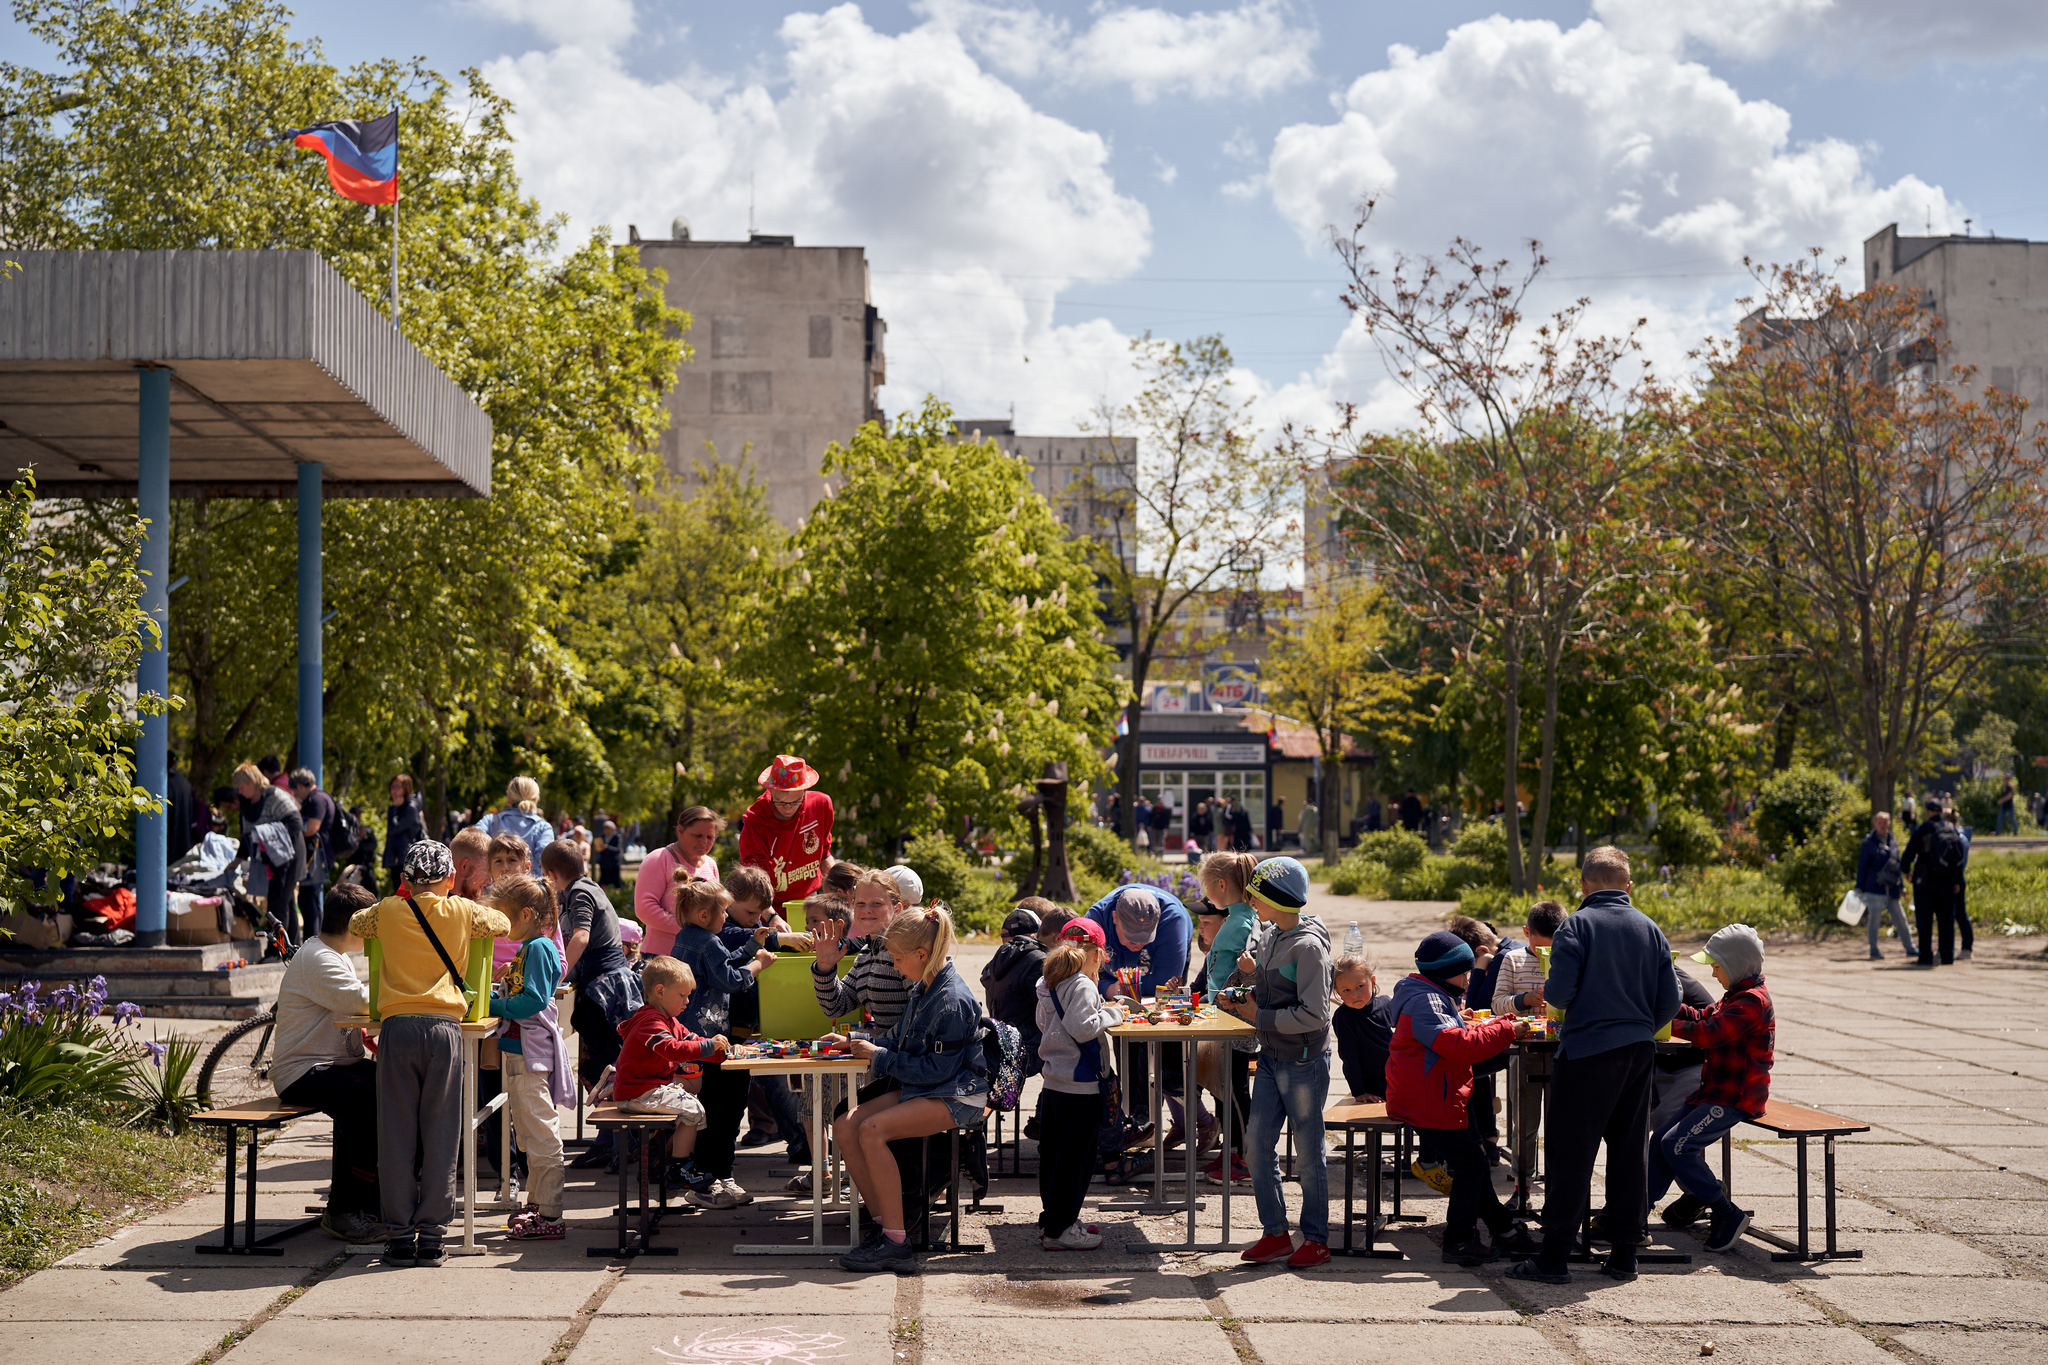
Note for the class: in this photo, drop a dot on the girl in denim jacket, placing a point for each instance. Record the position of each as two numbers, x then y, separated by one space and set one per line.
935 1053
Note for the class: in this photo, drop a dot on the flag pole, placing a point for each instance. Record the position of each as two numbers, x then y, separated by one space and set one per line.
394 259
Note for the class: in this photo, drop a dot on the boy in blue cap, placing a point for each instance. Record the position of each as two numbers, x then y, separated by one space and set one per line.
1291 1008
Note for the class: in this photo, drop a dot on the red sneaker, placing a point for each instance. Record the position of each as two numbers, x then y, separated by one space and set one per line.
1309 1255
1269 1248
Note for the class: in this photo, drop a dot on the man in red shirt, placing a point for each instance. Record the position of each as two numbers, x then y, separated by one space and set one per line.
787 832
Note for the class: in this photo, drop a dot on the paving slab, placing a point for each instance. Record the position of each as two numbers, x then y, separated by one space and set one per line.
789 1339
1146 1294
207 1210
1891 1253
651 1289
2026 1250
1733 1345
172 1342
155 1244
1974 1348
987 1341
1781 1214
467 1286
1973 1215
68 1295
1974 1184
311 1341
1422 1343
1673 1294
1395 1296
1974 1133
1904 1156
1958 1302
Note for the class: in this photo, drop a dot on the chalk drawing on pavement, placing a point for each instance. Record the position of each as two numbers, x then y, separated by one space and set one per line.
754 1346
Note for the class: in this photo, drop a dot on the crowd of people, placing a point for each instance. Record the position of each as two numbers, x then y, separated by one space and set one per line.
661 997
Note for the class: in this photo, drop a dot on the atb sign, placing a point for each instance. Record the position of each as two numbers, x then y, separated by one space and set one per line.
1231 685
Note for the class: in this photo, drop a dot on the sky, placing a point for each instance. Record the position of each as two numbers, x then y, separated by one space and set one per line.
1036 184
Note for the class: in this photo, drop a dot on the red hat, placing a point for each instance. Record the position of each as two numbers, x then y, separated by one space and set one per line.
788 773
1083 931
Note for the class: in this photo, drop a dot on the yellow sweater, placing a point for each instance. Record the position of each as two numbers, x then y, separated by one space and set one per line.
414 981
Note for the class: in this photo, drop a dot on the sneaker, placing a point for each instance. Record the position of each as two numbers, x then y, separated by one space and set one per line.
530 1211
1309 1255
1516 1241
1876 956
1683 1212
1138 1134
1076 1238
1468 1253
715 1196
1271 1247
1616 1268
351 1226
881 1254
401 1251
800 1183
1175 1136
1727 1227
540 1228
736 1190
1207 1131
1432 1174
1239 1173
1533 1270
428 1250
758 1137
1963 956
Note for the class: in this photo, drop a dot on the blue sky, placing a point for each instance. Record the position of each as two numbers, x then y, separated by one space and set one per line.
1038 183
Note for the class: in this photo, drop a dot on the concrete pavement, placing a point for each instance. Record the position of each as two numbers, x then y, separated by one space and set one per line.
1948 1197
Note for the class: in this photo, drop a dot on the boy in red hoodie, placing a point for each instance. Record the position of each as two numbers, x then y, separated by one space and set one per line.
1429 1080
657 1068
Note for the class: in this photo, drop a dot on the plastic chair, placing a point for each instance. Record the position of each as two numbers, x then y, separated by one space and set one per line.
476 976
789 1007
793 914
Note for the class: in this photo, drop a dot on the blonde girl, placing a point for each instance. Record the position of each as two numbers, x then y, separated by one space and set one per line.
1071 1019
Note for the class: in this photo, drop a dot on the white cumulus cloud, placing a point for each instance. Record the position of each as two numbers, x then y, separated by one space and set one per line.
1898 31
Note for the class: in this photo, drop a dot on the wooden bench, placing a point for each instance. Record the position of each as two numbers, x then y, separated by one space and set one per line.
634 1135
256 1116
1374 1122
1796 1121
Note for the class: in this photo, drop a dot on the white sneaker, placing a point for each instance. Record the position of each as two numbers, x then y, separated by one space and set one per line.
717 1197
1075 1238
736 1191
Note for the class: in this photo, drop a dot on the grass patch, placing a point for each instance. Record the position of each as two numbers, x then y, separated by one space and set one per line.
65 1175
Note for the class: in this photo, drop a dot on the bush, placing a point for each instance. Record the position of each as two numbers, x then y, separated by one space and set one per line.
1977 803
1792 806
1485 843
1397 850
1356 875
54 1050
1814 874
939 863
1095 850
1685 838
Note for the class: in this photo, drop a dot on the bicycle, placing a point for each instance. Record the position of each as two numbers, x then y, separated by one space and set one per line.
237 1070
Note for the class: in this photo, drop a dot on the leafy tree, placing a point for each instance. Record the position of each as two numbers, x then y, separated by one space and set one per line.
1185 509
658 629
1332 671
1843 470
443 652
929 637
73 631
1518 524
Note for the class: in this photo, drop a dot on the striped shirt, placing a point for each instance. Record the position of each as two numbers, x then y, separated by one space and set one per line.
873 985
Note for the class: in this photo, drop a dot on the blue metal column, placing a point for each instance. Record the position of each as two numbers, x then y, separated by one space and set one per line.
153 674
310 674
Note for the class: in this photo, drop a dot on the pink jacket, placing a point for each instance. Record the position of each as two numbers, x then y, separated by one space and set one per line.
654 897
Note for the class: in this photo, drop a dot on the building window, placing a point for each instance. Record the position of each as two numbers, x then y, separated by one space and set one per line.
728 336
821 337
741 392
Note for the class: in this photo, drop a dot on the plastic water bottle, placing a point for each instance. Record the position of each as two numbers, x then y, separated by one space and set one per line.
1354 942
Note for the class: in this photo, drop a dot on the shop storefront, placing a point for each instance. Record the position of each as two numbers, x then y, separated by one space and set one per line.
1186 772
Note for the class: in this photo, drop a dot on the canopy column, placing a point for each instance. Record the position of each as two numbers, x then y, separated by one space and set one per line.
153 673
310 676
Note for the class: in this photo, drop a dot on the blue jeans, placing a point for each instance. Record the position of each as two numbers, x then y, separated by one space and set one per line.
1678 1152
1294 1091
1875 907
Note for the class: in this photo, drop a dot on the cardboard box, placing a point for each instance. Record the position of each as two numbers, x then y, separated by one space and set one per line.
35 931
193 926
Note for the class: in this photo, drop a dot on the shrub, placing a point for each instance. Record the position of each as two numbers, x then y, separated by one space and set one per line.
940 864
1485 843
1977 803
1685 838
55 1051
1397 850
162 1094
1356 875
1094 850
1814 874
1792 806
1742 848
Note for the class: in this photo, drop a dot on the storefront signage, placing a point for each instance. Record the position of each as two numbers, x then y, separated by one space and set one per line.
1240 755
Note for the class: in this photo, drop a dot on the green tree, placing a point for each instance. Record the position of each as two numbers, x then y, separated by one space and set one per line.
1184 505
658 629
73 631
444 650
1332 670
929 637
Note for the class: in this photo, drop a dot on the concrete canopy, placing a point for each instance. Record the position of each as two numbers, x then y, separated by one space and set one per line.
275 362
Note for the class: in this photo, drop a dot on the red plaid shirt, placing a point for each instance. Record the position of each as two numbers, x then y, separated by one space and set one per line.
1738 1033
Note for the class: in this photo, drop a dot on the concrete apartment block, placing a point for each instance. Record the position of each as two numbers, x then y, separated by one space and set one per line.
1991 294
1083 477
788 356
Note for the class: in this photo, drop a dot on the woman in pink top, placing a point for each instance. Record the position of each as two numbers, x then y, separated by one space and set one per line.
654 889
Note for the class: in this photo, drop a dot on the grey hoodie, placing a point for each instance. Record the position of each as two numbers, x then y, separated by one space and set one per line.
1292 985
1063 1034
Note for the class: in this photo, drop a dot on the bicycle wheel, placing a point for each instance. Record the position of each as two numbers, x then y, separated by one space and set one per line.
237 1071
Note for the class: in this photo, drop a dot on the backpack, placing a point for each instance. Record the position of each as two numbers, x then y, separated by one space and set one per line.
348 833
1002 1048
1948 853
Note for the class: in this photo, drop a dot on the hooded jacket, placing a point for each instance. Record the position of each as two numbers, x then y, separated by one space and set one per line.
1011 980
1429 1066
1072 1046
1292 989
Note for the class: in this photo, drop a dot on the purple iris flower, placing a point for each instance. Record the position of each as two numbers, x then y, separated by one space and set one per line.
156 1053
125 1011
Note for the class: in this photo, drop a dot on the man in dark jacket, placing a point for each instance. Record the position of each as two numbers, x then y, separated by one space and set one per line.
1010 981
1611 971
1935 858
1878 882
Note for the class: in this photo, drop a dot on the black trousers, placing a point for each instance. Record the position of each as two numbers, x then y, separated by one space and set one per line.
304 920
1968 930
1240 1095
1066 1156
1472 1198
1932 903
1604 1097
348 1095
724 1097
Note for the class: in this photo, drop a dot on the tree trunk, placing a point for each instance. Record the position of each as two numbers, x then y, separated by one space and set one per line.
1331 811
1511 752
1546 760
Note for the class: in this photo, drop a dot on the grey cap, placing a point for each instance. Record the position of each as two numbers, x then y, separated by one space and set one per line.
909 886
1738 949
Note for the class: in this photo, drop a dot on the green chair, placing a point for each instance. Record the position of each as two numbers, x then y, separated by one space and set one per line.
789 1007
476 977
